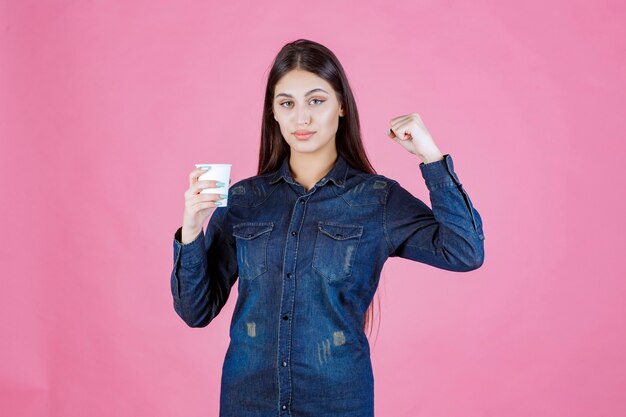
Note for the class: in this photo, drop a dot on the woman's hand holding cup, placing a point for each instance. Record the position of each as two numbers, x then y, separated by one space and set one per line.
198 205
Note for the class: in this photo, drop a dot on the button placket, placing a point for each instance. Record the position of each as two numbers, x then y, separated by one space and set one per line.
287 302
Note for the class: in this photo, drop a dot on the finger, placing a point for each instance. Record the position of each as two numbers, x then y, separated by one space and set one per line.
401 131
203 197
200 185
406 117
393 136
203 204
399 119
406 134
196 188
193 175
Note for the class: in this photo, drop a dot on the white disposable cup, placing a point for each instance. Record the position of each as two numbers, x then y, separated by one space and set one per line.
217 172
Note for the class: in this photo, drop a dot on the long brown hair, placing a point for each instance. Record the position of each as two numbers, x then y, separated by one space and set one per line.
311 56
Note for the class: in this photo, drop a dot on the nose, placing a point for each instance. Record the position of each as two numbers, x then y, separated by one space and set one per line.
303 116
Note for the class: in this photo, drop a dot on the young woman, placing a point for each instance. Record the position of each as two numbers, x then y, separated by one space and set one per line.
308 237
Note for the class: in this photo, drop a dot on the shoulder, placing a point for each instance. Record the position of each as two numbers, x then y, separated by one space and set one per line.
363 188
250 191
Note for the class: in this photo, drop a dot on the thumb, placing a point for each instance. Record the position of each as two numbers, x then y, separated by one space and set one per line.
391 134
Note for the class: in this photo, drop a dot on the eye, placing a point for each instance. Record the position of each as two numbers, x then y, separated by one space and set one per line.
313 99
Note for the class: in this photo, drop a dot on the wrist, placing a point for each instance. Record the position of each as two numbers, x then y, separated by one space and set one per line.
188 236
431 157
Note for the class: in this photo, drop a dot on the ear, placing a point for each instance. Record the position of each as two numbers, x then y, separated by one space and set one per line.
342 112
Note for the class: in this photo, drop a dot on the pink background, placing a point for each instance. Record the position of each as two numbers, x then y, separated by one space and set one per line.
105 106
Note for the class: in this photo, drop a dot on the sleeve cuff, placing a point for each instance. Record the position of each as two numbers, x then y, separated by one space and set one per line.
439 173
192 252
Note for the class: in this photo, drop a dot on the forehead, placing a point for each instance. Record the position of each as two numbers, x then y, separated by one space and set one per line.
299 82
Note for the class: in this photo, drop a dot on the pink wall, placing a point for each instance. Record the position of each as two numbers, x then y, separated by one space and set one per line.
106 106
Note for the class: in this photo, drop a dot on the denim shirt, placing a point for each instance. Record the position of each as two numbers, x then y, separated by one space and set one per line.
308 264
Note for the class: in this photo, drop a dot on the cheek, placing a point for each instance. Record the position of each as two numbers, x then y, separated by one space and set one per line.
329 118
281 120
283 125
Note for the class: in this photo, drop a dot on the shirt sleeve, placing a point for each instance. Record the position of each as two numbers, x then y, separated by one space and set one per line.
448 236
204 272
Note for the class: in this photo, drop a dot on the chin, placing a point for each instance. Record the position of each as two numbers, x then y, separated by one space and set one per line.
308 147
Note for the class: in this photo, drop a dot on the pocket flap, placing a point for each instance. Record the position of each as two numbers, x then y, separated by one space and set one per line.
341 231
251 230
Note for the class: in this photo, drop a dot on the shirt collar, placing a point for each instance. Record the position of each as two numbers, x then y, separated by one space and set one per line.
337 174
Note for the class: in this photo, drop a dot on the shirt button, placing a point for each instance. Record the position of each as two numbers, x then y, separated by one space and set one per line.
284 363
284 407
288 274
301 201
285 317
294 233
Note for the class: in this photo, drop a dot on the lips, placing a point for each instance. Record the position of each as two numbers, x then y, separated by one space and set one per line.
303 134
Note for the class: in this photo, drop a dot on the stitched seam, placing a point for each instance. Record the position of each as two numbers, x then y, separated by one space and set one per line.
180 301
421 248
223 219
389 243
444 184
293 301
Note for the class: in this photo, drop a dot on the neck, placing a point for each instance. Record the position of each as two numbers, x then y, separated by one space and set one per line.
308 169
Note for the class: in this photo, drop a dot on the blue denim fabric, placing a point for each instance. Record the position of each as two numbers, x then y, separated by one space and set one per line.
308 264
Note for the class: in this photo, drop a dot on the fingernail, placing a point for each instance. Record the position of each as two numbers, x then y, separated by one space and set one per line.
223 195
218 203
220 184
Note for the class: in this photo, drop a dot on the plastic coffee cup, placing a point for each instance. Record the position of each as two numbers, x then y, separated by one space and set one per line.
217 172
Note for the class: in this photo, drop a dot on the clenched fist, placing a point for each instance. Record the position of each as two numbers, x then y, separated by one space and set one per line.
409 131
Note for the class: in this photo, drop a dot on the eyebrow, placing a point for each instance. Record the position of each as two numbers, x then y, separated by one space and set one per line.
315 90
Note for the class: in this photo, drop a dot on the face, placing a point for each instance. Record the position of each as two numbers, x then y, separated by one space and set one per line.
304 101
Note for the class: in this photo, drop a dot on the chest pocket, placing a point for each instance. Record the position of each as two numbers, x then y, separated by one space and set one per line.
251 241
335 249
